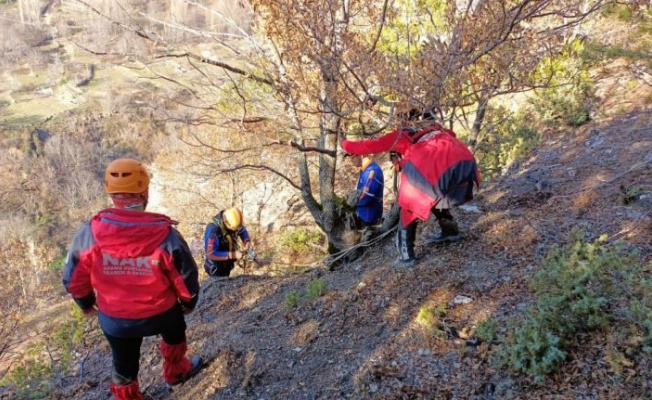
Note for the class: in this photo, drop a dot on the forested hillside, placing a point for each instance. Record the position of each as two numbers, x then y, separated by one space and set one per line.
236 103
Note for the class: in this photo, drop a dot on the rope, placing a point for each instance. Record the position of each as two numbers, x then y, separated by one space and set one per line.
343 253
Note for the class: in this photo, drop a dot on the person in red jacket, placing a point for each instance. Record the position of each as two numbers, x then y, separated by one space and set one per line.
135 271
438 171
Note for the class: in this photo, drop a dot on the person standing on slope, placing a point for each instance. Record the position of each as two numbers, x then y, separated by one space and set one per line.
368 196
438 171
135 270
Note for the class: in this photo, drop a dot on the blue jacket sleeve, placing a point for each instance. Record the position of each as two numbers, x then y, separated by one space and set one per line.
244 235
371 185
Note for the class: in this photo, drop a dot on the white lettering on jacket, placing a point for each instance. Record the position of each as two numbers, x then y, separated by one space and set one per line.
127 265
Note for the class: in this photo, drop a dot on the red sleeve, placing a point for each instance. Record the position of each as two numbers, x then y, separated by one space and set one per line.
384 143
450 132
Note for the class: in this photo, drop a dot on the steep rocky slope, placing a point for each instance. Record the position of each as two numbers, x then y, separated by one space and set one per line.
360 339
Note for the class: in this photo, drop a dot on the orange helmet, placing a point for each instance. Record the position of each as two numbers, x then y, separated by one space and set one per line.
232 218
126 175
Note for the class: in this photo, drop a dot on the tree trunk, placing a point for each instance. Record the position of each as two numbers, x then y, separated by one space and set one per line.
479 120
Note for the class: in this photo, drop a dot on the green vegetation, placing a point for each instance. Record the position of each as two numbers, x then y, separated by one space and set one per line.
581 289
292 300
631 193
510 138
569 90
58 264
33 378
595 52
621 11
315 288
300 240
413 21
431 319
487 330
636 48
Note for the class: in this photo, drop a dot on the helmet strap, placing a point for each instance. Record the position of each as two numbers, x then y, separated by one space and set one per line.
219 222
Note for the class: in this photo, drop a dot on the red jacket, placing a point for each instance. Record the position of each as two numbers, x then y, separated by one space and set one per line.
438 170
134 265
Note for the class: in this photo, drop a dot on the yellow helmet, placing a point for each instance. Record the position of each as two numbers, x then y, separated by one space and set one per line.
232 218
126 175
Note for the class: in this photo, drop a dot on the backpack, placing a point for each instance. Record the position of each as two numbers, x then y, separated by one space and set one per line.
415 133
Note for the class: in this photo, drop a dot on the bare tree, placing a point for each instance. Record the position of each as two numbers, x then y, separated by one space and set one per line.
300 77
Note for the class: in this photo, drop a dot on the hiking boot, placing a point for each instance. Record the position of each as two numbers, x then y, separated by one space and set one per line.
409 263
440 237
196 364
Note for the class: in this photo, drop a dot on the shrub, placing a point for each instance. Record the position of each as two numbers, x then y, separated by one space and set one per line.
33 377
487 330
300 240
622 11
533 349
574 286
315 288
292 300
582 288
511 137
430 318
569 90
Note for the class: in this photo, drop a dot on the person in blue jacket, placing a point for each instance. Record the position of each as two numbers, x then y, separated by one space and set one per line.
221 245
368 197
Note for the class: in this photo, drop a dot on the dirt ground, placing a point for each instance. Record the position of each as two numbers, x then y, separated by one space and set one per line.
360 339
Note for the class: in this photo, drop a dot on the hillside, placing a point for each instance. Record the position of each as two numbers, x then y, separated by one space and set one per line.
375 332
359 340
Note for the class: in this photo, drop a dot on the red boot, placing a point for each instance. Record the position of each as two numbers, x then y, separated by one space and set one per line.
130 391
176 366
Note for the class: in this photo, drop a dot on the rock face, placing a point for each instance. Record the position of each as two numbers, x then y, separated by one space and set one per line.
272 205
267 206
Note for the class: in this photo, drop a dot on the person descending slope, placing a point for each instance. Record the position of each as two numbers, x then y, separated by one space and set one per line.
221 242
134 269
437 172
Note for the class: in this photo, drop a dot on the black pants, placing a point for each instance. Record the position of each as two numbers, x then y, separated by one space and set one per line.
405 236
442 215
126 351
220 268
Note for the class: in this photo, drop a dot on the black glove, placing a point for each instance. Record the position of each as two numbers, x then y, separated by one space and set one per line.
189 307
